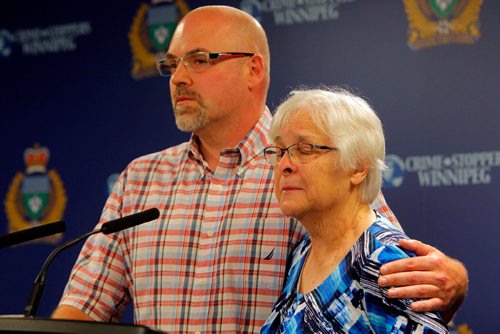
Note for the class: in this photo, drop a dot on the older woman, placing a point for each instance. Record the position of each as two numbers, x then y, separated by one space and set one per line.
328 157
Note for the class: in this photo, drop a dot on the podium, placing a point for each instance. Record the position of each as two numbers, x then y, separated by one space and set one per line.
43 325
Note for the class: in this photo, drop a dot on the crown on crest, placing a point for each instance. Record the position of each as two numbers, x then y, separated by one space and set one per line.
36 159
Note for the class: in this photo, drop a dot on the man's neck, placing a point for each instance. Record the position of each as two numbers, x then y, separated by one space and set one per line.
216 137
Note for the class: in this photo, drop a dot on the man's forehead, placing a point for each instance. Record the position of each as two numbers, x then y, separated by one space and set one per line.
194 39
172 54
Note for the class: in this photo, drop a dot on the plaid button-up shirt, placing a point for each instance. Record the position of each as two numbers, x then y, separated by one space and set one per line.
214 261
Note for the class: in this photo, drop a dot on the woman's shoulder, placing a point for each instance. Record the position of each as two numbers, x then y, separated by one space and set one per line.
382 240
386 232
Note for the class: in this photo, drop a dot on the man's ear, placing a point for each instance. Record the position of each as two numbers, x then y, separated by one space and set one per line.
359 175
257 70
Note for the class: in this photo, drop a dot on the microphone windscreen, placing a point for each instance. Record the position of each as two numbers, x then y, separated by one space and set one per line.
130 221
32 234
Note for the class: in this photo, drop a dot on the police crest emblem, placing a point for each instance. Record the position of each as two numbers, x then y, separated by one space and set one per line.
151 32
441 22
35 197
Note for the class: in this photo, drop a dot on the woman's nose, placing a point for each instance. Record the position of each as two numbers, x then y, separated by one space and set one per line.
286 164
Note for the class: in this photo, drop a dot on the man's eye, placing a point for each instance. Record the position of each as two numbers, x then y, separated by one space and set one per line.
171 64
199 60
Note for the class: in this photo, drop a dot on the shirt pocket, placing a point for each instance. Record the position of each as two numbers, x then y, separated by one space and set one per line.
268 244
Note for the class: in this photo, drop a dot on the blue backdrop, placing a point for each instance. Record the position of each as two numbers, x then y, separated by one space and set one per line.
76 78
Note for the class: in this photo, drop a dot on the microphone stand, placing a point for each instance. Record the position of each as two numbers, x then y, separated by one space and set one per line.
106 228
39 283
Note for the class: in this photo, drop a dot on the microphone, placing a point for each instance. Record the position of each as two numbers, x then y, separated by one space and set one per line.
32 234
130 221
106 228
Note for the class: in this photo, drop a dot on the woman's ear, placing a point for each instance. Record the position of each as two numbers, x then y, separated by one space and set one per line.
359 175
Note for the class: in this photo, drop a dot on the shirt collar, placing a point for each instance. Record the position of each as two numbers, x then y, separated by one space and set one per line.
249 147
256 139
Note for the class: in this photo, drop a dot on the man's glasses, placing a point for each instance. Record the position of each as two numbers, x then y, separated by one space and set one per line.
300 152
197 61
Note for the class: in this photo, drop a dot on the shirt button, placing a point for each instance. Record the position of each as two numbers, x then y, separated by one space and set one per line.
197 332
210 234
218 187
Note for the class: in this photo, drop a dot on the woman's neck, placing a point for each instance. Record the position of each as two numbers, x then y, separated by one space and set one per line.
331 240
342 225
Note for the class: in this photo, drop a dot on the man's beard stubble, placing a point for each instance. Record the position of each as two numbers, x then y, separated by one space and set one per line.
189 118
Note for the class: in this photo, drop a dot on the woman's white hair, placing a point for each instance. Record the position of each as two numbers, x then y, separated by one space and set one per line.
352 125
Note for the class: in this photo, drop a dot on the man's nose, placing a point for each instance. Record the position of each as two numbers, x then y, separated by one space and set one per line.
181 74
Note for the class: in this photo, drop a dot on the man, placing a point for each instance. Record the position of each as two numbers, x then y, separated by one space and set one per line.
215 259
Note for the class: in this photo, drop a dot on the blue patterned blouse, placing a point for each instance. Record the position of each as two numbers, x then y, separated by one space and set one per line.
350 300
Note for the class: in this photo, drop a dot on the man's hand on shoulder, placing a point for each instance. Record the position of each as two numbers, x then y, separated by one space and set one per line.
438 279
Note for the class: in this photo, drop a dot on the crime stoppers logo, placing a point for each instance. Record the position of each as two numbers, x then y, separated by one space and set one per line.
6 40
458 169
394 174
35 197
151 32
291 12
43 40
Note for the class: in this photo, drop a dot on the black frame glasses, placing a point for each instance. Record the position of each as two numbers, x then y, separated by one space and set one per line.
298 152
196 61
